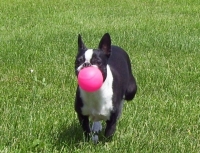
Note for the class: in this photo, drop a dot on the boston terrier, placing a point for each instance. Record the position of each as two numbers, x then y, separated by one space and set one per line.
118 85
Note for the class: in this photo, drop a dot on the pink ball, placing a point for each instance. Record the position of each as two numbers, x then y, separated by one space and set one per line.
90 79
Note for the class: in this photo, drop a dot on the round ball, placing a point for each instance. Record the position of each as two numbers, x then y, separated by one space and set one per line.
90 79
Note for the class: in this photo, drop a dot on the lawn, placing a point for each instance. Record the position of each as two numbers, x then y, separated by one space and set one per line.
38 44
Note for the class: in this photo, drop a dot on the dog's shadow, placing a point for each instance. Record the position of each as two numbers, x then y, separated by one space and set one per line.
72 136
68 136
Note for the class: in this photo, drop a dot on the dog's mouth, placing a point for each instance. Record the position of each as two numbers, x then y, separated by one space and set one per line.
86 64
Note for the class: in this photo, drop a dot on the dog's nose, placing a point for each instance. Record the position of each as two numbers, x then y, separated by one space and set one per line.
86 64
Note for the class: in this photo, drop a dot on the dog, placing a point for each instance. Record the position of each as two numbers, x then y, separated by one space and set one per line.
118 85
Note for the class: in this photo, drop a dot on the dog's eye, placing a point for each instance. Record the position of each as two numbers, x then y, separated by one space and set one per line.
96 61
99 62
80 60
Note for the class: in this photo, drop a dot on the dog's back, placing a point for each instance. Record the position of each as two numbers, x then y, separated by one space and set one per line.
120 66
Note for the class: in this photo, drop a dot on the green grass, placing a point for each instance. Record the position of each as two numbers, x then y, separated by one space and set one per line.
37 109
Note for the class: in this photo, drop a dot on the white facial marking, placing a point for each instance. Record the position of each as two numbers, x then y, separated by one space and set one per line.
80 67
88 55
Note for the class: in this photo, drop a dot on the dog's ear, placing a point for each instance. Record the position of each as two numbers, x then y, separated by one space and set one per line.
105 44
81 45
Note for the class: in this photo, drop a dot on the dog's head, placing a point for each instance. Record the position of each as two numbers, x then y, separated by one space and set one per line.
93 57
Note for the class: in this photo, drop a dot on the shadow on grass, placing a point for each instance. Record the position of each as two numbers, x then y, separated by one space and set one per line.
68 136
72 137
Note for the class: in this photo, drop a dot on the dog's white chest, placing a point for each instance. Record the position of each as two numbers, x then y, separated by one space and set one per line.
98 105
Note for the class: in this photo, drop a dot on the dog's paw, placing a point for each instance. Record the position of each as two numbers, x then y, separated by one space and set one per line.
95 138
96 127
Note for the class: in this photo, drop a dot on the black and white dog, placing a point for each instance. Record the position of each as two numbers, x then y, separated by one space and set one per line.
119 85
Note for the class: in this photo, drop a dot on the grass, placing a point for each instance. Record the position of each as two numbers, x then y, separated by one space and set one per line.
37 109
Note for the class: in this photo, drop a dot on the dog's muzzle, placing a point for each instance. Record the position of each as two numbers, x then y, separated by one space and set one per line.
86 64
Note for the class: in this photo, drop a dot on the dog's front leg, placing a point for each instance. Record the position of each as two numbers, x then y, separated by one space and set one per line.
111 124
110 128
84 121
